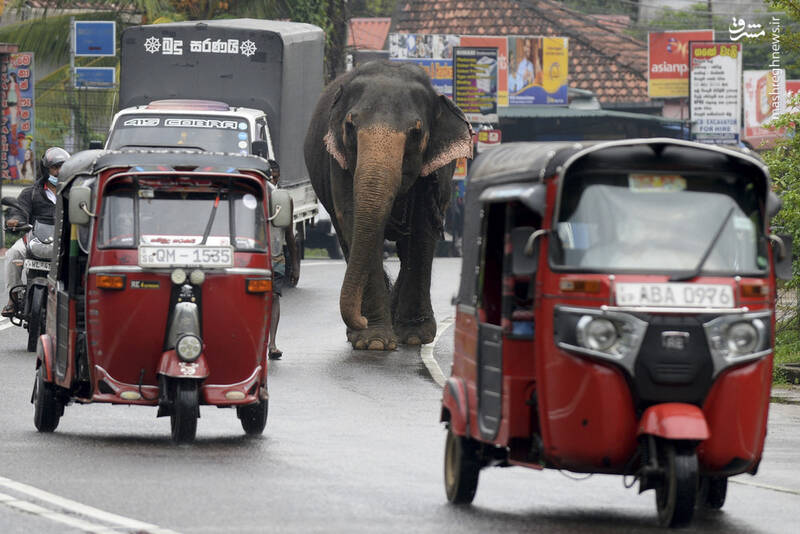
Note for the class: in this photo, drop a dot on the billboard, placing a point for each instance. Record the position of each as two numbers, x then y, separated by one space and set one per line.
764 100
668 62
17 160
715 91
475 83
537 71
792 91
95 38
501 43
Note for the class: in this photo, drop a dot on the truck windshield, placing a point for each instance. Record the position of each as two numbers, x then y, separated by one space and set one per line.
181 217
214 134
656 223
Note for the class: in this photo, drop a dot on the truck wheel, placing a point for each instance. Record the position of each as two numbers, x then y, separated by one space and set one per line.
35 322
675 497
254 417
47 408
185 411
461 468
711 492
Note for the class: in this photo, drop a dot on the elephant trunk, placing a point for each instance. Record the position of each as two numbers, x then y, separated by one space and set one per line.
376 180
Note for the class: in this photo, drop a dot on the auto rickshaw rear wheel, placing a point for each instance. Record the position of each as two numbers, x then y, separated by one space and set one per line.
675 497
185 410
254 417
47 408
711 492
462 467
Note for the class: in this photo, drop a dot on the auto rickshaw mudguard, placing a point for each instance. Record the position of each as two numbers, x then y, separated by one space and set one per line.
171 365
455 408
674 420
45 357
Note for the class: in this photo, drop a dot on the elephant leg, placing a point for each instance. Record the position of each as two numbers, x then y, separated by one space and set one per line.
412 313
375 307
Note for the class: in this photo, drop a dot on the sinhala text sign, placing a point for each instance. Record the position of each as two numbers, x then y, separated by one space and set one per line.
16 143
715 91
475 83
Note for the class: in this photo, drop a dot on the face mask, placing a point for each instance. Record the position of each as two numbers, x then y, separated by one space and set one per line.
53 179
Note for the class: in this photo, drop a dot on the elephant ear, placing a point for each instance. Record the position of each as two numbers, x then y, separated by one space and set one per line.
450 138
331 141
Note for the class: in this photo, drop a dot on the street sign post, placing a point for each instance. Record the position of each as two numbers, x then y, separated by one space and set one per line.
95 38
95 77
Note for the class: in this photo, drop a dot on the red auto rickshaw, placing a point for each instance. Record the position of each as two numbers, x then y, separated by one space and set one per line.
616 314
160 286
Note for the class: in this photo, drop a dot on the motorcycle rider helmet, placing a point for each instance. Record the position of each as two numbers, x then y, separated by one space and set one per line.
54 157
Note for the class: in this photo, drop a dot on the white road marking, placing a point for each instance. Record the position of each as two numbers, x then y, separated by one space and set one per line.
73 507
426 351
5 323
764 486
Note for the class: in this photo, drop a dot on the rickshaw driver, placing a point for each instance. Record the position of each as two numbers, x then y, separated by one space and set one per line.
277 239
38 202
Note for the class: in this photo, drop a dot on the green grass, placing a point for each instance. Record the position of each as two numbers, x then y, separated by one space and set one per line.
787 348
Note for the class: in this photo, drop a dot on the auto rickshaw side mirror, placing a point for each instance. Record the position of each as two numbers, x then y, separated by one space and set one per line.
774 204
260 148
782 255
280 208
80 200
525 249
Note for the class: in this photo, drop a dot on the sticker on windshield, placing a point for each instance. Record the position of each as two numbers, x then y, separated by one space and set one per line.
655 183
242 125
242 135
242 144
142 121
201 123
249 201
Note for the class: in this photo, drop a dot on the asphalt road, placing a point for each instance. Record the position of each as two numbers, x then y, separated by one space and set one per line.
353 444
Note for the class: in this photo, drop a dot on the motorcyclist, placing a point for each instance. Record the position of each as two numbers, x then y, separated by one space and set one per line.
38 203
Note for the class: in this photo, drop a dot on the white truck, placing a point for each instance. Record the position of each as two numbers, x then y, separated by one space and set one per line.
234 85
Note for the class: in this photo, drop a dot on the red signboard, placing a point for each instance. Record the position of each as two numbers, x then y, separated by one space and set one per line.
668 65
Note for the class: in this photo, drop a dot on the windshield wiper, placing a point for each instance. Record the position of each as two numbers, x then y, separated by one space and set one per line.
156 147
696 271
210 220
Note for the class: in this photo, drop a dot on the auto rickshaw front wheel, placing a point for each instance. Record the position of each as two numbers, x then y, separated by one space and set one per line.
675 497
47 408
462 467
254 417
185 410
36 321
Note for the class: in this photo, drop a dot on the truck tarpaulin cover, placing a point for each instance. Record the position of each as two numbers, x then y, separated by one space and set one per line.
266 65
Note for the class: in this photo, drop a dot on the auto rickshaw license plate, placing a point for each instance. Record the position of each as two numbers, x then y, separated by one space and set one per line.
675 295
185 256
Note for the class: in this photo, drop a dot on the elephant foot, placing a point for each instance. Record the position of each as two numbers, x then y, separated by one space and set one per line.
372 339
417 333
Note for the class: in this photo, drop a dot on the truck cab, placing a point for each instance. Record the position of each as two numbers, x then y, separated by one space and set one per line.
206 125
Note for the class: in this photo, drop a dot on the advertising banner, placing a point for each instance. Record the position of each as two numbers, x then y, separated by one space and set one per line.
764 100
537 71
792 90
16 144
501 43
715 91
668 63
434 53
475 83
440 72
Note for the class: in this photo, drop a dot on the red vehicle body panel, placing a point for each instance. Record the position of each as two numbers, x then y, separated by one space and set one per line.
674 420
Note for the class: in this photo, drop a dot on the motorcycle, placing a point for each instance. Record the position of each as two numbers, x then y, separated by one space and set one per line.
30 297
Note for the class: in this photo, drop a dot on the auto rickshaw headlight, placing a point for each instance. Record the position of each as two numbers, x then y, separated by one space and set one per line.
742 338
197 277
189 347
178 276
596 333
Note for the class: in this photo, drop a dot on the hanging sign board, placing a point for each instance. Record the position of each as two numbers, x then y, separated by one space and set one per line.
715 91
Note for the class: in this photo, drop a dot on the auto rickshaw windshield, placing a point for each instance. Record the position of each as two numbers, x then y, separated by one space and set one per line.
660 223
182 217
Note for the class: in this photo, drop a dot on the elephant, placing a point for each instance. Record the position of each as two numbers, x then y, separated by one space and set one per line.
381 149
